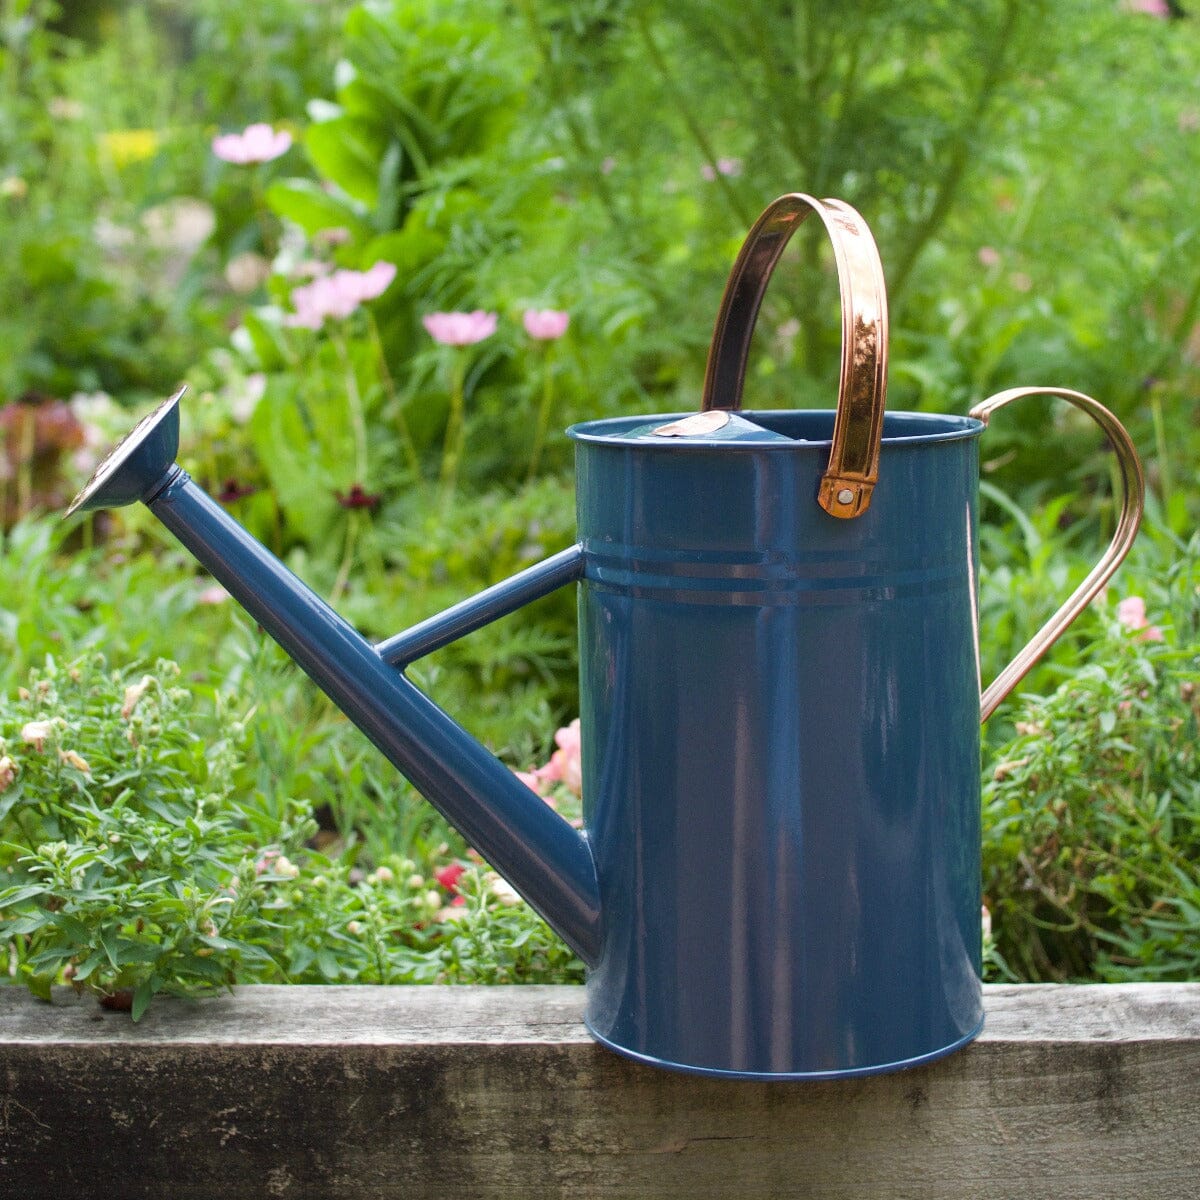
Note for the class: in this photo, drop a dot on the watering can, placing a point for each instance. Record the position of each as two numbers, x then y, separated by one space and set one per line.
779 870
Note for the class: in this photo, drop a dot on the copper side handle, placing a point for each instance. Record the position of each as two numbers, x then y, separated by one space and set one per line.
853 469
1133 487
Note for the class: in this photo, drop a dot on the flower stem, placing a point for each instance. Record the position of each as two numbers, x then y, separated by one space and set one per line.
691 122
1165 482
543 417
410 447
453 445
343 575
25 464
357 418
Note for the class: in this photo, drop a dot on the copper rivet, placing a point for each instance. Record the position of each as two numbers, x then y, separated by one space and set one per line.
845 496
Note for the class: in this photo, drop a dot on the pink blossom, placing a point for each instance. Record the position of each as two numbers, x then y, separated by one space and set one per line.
989 256
725 166
566 763
339 294
460 328
1153 8
530 780
545 324
259 143
1131 612
449 876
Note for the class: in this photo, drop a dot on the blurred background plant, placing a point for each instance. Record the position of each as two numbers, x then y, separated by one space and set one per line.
346 225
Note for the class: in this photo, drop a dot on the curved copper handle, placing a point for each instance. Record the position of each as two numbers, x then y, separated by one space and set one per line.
853 467
1133 500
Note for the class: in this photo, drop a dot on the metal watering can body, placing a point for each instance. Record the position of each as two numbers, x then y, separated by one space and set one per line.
781 750
779 873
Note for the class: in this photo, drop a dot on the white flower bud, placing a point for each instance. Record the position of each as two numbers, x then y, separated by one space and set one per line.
35 733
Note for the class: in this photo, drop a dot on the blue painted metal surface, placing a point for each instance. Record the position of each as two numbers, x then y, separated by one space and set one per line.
781 749
489 605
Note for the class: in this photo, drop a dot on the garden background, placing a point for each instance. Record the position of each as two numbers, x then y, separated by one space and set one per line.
275 202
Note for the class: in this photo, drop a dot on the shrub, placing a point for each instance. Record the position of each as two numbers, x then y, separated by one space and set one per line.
133 868
1092 810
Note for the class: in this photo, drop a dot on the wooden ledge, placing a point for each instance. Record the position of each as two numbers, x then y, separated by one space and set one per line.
370 1092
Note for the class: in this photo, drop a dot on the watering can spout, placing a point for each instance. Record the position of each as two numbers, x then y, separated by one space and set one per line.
548 861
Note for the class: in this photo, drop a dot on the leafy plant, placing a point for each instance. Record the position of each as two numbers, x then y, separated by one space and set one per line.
134 870
1092 810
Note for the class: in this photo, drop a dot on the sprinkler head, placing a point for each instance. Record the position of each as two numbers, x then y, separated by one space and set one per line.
137 465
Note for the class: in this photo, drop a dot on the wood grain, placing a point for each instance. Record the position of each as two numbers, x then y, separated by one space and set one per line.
1071 1092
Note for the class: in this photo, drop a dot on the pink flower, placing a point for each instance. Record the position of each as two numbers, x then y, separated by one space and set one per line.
530 780
336 235
1153 8
566 763
989 256
725 166
339 294
545 324
449 876
259 143
460 328
1131 612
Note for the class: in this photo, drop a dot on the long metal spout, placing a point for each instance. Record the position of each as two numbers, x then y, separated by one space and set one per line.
540 854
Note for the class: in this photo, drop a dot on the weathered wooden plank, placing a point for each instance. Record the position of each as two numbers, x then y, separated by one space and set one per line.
1071 1092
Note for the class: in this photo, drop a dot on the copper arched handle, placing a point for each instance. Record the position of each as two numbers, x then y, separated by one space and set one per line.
1133 487
853 469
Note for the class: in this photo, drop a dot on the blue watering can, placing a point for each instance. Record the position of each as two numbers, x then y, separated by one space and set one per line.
779 871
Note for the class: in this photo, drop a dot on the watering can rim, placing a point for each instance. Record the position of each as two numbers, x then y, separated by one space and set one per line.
608 431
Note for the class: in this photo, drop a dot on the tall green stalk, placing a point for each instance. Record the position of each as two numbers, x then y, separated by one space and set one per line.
452 447
543 415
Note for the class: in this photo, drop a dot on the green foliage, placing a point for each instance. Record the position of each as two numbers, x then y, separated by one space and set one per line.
1092 808
1020 165
133 869
110 203
154 864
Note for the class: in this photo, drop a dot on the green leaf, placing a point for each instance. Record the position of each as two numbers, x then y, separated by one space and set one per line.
142 995
348 151
39 985
110 940
11 896
139 952
30 924
306 203
11 797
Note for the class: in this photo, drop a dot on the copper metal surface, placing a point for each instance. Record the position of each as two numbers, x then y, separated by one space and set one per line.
846 487
1133 498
